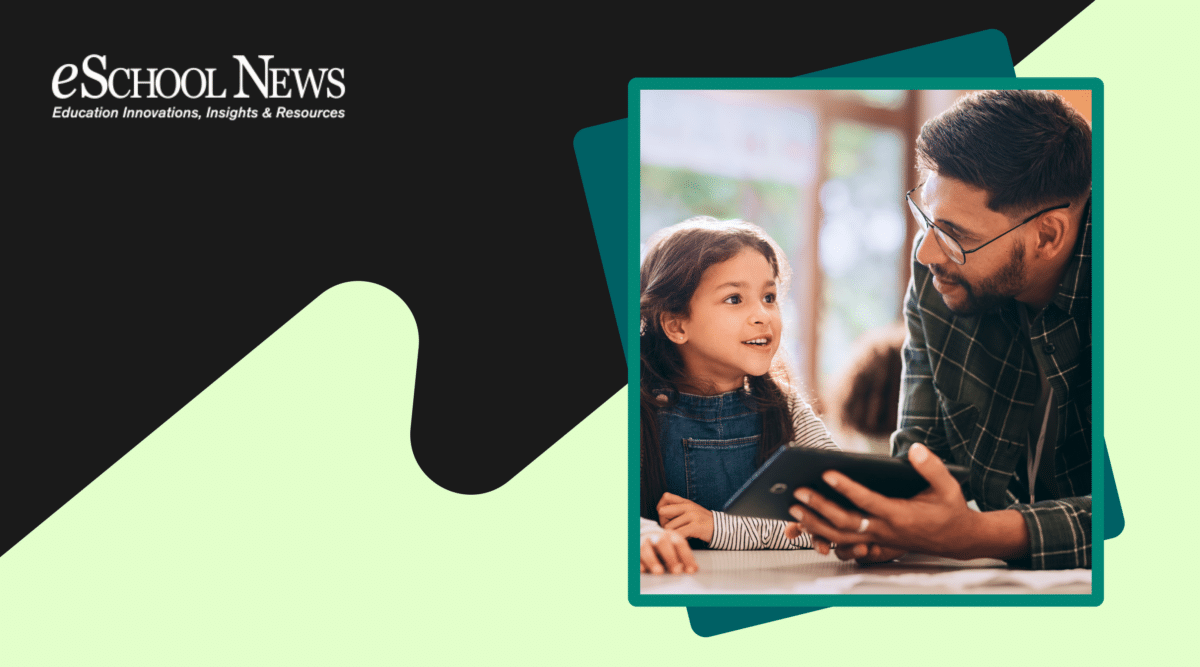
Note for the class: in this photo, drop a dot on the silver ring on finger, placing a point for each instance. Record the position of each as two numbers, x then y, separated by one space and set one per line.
863 525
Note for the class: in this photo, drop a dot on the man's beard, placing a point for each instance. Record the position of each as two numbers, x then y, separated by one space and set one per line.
992 291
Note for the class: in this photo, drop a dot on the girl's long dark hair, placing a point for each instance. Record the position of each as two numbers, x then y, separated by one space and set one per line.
671 272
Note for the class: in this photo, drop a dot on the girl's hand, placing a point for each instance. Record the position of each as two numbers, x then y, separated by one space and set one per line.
667 551
685 517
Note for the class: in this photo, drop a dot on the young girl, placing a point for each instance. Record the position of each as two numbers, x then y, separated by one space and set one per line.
714 402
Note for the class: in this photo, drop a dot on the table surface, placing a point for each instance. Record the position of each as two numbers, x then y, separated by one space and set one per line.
808 572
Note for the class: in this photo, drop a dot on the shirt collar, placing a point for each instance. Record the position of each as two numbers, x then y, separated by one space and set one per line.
1075 290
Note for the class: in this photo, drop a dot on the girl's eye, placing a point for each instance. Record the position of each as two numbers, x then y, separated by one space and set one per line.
770 298
733 299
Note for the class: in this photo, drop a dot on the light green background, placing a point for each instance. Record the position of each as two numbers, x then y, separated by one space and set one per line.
280 518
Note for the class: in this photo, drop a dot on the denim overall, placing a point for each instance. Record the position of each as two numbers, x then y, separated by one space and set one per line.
709 445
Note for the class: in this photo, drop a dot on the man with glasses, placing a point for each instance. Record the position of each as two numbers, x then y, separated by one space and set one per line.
997 361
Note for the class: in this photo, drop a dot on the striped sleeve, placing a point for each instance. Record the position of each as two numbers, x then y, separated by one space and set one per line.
810 430
734 533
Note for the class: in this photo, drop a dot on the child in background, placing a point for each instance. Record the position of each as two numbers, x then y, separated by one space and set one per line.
862 401
714 401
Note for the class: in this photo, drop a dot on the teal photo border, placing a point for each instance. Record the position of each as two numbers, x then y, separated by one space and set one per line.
636 86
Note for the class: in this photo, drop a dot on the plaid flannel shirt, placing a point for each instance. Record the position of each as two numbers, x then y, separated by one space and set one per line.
968 393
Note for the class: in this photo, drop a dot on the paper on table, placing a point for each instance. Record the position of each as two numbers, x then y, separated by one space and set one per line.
954 581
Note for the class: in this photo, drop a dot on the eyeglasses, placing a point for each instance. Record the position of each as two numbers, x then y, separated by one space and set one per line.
949 244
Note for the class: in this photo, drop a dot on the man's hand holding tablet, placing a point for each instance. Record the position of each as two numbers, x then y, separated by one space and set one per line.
935 521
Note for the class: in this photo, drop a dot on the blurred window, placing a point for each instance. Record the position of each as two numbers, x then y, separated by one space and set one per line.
861 239
883 99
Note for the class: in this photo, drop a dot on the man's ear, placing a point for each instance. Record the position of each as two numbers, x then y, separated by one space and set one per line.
1053 229
675 328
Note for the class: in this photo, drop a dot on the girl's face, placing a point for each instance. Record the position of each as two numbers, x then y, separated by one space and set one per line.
734 325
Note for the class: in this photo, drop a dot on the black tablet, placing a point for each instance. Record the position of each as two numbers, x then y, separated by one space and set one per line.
768 493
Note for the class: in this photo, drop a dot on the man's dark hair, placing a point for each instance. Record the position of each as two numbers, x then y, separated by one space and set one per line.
1025 148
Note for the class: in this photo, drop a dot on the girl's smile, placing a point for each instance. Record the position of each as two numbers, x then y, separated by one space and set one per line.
733 327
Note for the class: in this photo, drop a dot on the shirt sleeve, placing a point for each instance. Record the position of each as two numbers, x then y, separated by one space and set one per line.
649 528
810 430
1060 534
919 418
733 533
